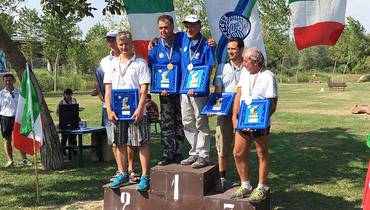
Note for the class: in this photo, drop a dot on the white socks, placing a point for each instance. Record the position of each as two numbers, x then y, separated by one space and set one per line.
247 184
262 187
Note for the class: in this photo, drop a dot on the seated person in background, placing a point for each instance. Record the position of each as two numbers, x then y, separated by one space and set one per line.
67 99
152 108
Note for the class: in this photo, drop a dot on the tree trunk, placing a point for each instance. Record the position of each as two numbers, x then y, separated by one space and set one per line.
56 65
51 155
49 66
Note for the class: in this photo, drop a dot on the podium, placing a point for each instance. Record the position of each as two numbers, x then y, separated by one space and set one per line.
177 187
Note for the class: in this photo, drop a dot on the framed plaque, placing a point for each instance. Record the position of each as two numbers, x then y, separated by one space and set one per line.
195 79
125 102
218 104
164 78
254 116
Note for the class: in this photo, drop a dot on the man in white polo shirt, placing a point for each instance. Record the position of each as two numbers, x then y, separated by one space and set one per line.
227 77
8 107
129 72
256 82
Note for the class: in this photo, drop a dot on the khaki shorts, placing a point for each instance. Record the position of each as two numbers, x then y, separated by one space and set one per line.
224 135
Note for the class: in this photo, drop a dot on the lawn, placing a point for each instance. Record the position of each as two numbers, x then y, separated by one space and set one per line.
318 155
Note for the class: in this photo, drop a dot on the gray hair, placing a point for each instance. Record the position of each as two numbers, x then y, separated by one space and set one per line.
124 35
256 55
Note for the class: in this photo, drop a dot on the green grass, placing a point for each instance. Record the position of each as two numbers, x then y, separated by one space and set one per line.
318 155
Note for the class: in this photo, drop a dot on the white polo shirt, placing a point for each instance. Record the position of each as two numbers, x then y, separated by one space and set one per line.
8 103
106 65
263 84
227 77
137 74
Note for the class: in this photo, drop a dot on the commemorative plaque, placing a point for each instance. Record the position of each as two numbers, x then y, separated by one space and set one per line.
195 79
255 115
164 78
218 104
125 102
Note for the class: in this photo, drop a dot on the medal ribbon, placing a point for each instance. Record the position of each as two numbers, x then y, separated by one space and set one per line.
196 50
168 56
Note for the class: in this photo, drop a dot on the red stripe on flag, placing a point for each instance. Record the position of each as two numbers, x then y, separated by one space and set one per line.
141 48
21 142
323 33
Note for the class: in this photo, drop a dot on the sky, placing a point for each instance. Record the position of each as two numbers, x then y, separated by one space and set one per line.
358 9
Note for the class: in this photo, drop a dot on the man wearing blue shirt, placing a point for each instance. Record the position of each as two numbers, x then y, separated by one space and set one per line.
195 52
167 50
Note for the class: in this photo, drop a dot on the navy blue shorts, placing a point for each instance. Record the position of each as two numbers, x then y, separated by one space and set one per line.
256 133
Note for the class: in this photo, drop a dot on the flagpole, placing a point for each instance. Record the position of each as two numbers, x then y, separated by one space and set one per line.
36 170
33 134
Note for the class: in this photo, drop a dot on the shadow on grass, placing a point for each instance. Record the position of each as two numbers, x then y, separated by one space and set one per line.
319 157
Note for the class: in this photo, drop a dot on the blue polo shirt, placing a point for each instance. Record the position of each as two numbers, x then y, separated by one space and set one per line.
158 53
204 56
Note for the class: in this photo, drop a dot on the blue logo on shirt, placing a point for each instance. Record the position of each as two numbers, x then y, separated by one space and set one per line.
232 24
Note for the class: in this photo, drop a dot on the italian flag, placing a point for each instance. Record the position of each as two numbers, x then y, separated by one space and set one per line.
28 124
142 16
317 22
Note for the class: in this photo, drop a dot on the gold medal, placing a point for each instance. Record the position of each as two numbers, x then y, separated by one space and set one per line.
170 66
190 66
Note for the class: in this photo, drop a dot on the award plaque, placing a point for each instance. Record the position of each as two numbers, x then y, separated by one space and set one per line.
164 78
254 116
124 103
218 104
195 79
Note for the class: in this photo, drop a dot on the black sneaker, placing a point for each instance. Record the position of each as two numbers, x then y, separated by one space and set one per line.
165 161
221 185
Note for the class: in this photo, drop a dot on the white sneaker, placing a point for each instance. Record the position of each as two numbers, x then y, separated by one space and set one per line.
9 163
26 162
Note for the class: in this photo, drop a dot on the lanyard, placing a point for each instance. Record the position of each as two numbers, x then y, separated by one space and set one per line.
254 82
237 71
123 72
196 50
170 55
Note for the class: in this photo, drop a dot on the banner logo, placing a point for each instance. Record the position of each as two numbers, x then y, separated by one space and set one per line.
232 24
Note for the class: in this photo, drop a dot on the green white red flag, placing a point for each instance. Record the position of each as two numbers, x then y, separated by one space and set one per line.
142 16
27 118
317 22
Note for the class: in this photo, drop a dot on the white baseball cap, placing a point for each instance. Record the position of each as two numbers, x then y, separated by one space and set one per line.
112 34
191 19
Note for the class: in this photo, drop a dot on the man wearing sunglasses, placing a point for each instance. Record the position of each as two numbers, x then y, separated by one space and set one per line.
8 107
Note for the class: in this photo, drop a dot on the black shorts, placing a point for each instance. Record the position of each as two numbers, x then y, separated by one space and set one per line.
256 133
6 126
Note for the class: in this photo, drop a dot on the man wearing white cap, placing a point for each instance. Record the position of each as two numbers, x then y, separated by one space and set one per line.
195 52
106 64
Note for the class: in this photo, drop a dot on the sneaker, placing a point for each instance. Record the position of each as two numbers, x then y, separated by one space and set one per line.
257 195
221 185
119 180
144 184
9 163
26 162
165 161
241 192
200 163
190 160
113 177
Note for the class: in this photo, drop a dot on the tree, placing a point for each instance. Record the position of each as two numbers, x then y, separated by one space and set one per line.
29 28
96 45
58 33
275 25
